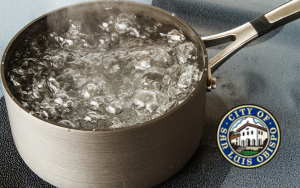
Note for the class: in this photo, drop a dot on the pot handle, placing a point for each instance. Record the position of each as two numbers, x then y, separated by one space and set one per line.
246 33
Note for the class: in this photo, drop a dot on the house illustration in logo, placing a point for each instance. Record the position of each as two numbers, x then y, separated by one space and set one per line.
248 135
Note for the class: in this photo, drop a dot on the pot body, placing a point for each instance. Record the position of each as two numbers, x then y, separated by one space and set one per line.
142 156
139 156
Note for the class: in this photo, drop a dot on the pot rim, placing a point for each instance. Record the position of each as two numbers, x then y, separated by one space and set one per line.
131 127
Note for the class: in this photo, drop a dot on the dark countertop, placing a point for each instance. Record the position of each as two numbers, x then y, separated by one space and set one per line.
264 73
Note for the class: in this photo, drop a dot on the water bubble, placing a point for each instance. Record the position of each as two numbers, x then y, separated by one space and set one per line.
149 29
185 51
53 85
69 42
91 87
155 116
156 85
173 92
134 32
67 123
167 80
75 28
167 107
115 108
138 103
104 38
58 101
152 106
18 54
15 80
109 98
85 94
93 117
185 80
25 104
153 74
96 102
57 61
116 123
175 36
25 63
114 37
186 77
123 26
142 64
36 94
124 97
157 25
107 64
150 99
115 68
80 81
19 71
110 20
69 104
104 24
49 113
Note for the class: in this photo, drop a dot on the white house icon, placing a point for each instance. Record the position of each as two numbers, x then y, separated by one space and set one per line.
249 135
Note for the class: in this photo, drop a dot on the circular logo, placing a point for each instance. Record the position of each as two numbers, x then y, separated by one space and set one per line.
248 136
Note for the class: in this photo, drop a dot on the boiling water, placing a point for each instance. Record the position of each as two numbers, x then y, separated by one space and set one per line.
124 73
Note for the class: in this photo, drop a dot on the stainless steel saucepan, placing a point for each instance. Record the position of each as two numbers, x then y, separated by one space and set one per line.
142 155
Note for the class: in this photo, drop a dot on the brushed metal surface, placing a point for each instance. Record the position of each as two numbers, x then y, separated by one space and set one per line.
139 156
283 11
240 36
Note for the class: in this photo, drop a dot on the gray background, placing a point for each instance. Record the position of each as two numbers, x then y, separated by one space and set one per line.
264 73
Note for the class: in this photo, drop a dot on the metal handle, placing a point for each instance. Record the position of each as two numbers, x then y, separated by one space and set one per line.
246 33
283 11
241 36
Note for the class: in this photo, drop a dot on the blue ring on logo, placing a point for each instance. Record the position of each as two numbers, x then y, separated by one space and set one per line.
273 140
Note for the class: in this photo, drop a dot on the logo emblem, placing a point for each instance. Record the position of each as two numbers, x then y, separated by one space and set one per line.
248 136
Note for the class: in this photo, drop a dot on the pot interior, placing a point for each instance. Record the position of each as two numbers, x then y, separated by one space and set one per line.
91 12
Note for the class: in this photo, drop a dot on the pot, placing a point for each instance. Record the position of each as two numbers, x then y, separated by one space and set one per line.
142 155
